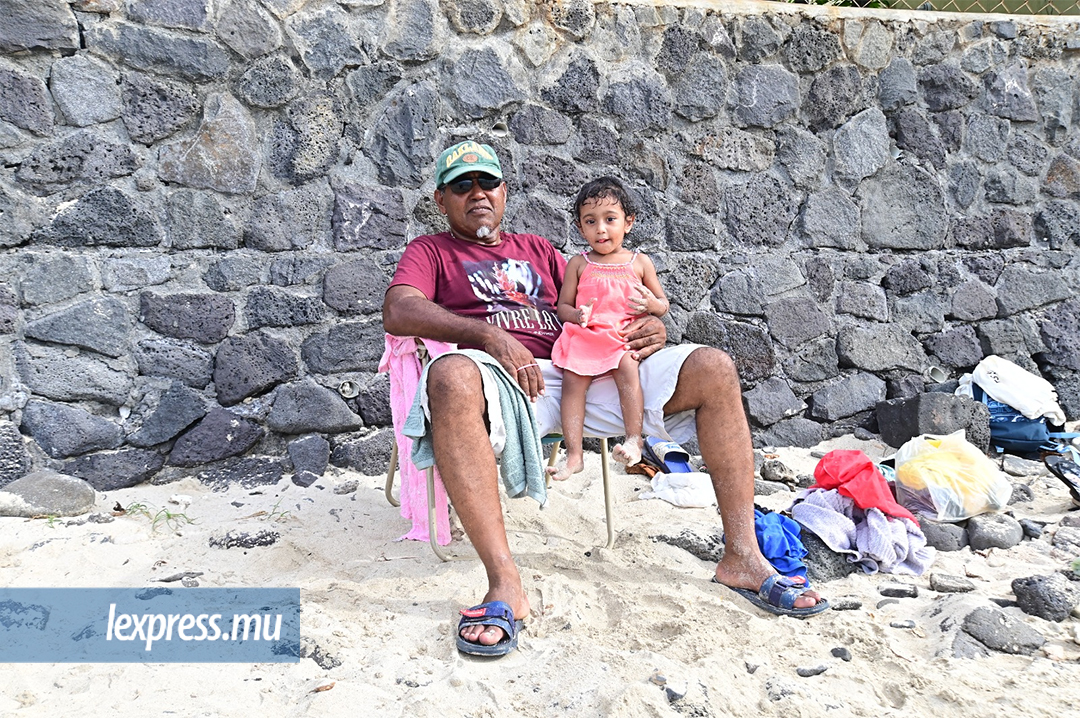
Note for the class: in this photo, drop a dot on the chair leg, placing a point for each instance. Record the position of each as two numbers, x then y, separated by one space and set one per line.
390 477
607 492
552 458
433 532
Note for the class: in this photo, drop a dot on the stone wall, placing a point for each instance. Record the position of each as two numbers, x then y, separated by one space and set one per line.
201 202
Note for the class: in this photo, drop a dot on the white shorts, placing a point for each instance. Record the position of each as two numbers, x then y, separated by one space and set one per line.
603 413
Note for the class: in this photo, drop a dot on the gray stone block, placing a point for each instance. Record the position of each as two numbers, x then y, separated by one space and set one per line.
700 92
973 301
906 277
46 493
690 279
738 292
760 211
986 137
479 17
103 216
271 307
223 156
180 14
1052 88
730 148
200 219
830 219
348 346
1027 153
46 25
914 133
764 95
814 361
206 318
155 108
50 278
250 365
248 29
117 470
999 632
538 217
14 458
986 267
862 300
576 89
902 208
327 40
639 105
160 51
1050 597
234 272
309 454
576 17
944 583
946 87
296 219
290 270
25 101
219 435
162 415
797 431
101 325
85 89
537 125
1060 331
402 141
370 83
920 312
63 431
305 142
689 231
802 155
932 413
1058 224
849 396
809 49
51 373
370 455
957 347
482 82
748 345
964 180
879 347
756 38
355 287
1062 178
373 401
677 47
305 478
772 400
304 406
368 217
1007 95
1022 287
897 85
9 311
796 320
822 563
269 82
553 173
943 536
83 156
123 274
1007 187
249 472
994 531
176 360
835 95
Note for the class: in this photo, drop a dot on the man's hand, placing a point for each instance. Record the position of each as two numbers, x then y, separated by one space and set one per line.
517 361
644 336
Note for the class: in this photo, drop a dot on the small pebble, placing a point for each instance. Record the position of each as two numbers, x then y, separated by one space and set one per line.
675 692
1070 520
817 454
845 603
751 668
902 624
842 653
899 590
944 583
658 678
1032 529
806 672
348 487
886 602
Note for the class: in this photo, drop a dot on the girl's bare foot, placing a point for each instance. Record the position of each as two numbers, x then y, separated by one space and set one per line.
570 465
628 452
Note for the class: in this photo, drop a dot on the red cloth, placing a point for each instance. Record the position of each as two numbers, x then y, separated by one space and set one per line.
854 475
513 285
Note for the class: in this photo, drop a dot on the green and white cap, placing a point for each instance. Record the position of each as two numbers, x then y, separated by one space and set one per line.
465 157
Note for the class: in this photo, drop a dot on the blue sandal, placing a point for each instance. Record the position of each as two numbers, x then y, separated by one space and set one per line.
777 596
492 613
668 455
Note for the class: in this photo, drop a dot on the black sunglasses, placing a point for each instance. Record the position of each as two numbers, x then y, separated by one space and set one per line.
464 185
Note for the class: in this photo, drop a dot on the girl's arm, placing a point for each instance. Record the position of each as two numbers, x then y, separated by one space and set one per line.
567 307
653 301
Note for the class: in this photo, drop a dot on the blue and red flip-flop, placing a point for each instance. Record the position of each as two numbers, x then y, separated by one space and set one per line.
492 613
668 455
777 596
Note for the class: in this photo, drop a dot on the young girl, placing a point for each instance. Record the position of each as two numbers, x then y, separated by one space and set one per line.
604 290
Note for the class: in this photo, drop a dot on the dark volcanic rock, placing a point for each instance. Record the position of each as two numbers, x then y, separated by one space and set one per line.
1051 597
309 454
822 563
219 435
206 318
63 431
370 455
14 458
999 632
994 531
250 365
249 472
119 470
748 345
162 415
305 406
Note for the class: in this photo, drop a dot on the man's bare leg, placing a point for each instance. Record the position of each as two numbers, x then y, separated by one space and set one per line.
572 409
467 465
709 384
632 403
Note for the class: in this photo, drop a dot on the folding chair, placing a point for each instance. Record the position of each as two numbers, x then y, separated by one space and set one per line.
553 440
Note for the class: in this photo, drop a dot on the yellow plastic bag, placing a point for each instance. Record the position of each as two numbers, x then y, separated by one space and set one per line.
947 478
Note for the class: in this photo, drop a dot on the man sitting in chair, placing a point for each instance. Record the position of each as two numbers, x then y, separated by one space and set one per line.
484 288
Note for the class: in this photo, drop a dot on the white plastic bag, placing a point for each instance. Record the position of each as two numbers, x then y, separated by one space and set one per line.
947 478
688 489
1010 384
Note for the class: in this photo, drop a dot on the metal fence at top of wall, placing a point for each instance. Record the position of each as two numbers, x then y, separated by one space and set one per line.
1007 7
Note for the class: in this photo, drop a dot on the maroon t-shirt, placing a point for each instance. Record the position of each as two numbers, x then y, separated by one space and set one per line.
513 285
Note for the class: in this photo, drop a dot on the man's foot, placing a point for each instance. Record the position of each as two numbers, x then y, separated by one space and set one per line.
628 452
568 466
490 635
734 573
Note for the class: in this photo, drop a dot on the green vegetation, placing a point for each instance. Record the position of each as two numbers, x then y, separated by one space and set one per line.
162 516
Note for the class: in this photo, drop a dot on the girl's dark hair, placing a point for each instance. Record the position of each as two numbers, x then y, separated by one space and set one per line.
604 188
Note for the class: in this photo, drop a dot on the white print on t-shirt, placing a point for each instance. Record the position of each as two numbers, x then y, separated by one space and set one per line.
511 291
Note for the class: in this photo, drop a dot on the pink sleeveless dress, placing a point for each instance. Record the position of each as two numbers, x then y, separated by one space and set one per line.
598 348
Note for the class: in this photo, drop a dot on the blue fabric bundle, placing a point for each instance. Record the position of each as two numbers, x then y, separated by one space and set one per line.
780 542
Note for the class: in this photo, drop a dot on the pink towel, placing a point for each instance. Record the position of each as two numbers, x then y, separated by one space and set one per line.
401 360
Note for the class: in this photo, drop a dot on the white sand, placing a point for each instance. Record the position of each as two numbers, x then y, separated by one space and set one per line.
602 623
